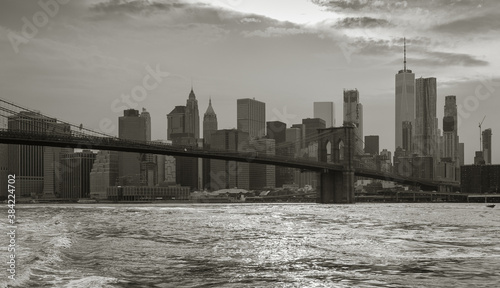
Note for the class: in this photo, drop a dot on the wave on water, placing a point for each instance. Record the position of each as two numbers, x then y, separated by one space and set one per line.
92 282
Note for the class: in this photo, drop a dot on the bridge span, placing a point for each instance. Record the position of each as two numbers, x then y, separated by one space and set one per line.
337 175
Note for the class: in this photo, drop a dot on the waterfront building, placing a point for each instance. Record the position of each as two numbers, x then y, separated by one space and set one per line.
480 179
144 193
75 173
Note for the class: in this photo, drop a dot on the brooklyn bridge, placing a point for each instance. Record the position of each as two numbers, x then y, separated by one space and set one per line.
336 162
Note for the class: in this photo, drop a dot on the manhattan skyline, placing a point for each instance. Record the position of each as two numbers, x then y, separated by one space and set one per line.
286 54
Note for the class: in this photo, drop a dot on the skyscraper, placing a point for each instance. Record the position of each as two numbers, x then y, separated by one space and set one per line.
276 130
27 162
372 144
176 120
192 116
104 174
209 123
311 127
426 123
184 119
251 117
183 128
229 174
405 102
147 118
75 174
353 115
450 133
325 111
131 127
209 127
487 146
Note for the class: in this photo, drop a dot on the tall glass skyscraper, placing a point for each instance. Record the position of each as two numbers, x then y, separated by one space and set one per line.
426 122
405 102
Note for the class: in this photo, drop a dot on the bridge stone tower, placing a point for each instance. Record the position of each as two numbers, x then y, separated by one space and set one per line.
337 145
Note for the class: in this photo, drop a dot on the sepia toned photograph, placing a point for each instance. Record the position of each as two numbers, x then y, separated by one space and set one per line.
249 143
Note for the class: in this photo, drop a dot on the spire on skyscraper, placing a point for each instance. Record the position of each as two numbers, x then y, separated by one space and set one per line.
404 62
210 110
191 94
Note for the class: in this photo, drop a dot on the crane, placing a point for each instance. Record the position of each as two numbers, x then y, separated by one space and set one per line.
481 135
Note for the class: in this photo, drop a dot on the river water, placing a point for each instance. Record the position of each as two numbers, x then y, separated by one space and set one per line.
256 245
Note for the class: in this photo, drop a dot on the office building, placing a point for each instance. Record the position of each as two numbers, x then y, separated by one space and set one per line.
131 127
276 130
450 134
372 144
176 121
353 116
302 135
311 126
209 127
293 141
251 117
325 111
209 123
192 117
187 168
426 123
229 174
75 173
262 176
104 174
184 119
36 167
405 105
487 145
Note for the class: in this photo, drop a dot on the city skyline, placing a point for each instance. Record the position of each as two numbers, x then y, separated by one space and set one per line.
83 59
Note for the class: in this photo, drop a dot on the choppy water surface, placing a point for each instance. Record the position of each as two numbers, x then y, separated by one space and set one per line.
257 245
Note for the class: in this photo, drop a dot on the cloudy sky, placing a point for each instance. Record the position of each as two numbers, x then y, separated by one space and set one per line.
81 60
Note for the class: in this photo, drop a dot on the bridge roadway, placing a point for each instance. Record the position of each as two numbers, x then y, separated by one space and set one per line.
83 141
